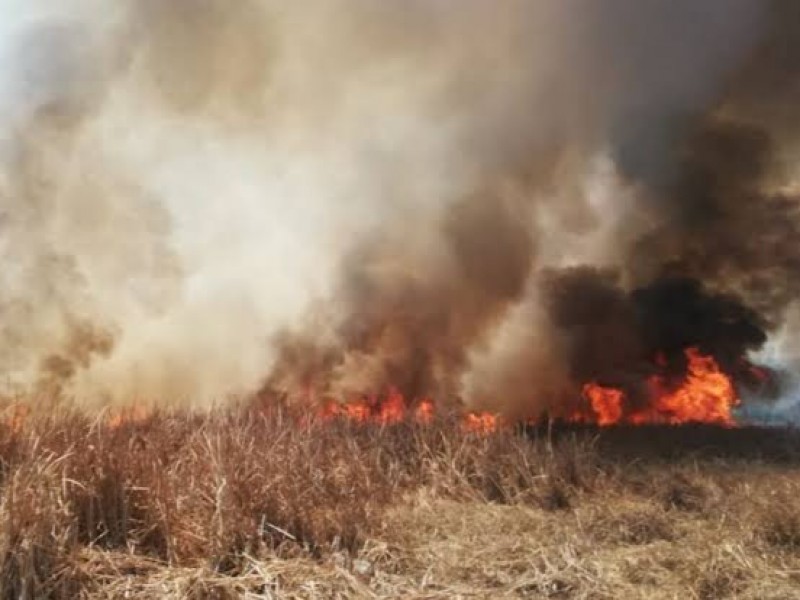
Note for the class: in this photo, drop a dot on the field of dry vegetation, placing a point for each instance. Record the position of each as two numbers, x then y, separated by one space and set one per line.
247 505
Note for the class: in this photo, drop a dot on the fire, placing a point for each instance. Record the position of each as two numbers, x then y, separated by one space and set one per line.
15 416
480 422
707 395
704 395
425 412
386 411
393 408
133 414
606 403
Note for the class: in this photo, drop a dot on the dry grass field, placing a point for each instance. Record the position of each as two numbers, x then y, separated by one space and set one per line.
247 505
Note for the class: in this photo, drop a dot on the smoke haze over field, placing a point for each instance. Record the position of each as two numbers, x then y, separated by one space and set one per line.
479 201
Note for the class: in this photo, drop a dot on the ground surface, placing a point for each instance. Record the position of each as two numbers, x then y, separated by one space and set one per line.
257 506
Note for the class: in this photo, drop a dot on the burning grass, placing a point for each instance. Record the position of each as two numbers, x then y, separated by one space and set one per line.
225 505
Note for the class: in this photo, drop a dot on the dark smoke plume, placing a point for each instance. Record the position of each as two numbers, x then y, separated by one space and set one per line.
618 338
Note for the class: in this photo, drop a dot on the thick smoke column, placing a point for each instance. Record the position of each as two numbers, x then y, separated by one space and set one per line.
203 199
718 267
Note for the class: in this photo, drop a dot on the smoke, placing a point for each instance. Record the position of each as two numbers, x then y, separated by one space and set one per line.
717 268
203 200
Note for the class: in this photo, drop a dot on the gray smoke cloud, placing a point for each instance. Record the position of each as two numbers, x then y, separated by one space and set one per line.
203 200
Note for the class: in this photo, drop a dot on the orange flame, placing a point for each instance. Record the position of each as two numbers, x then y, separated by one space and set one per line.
606 403
15 416
425 412
133 414
707 395
482 423
393 409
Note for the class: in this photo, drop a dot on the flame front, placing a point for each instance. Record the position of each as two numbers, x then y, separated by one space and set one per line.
705 394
